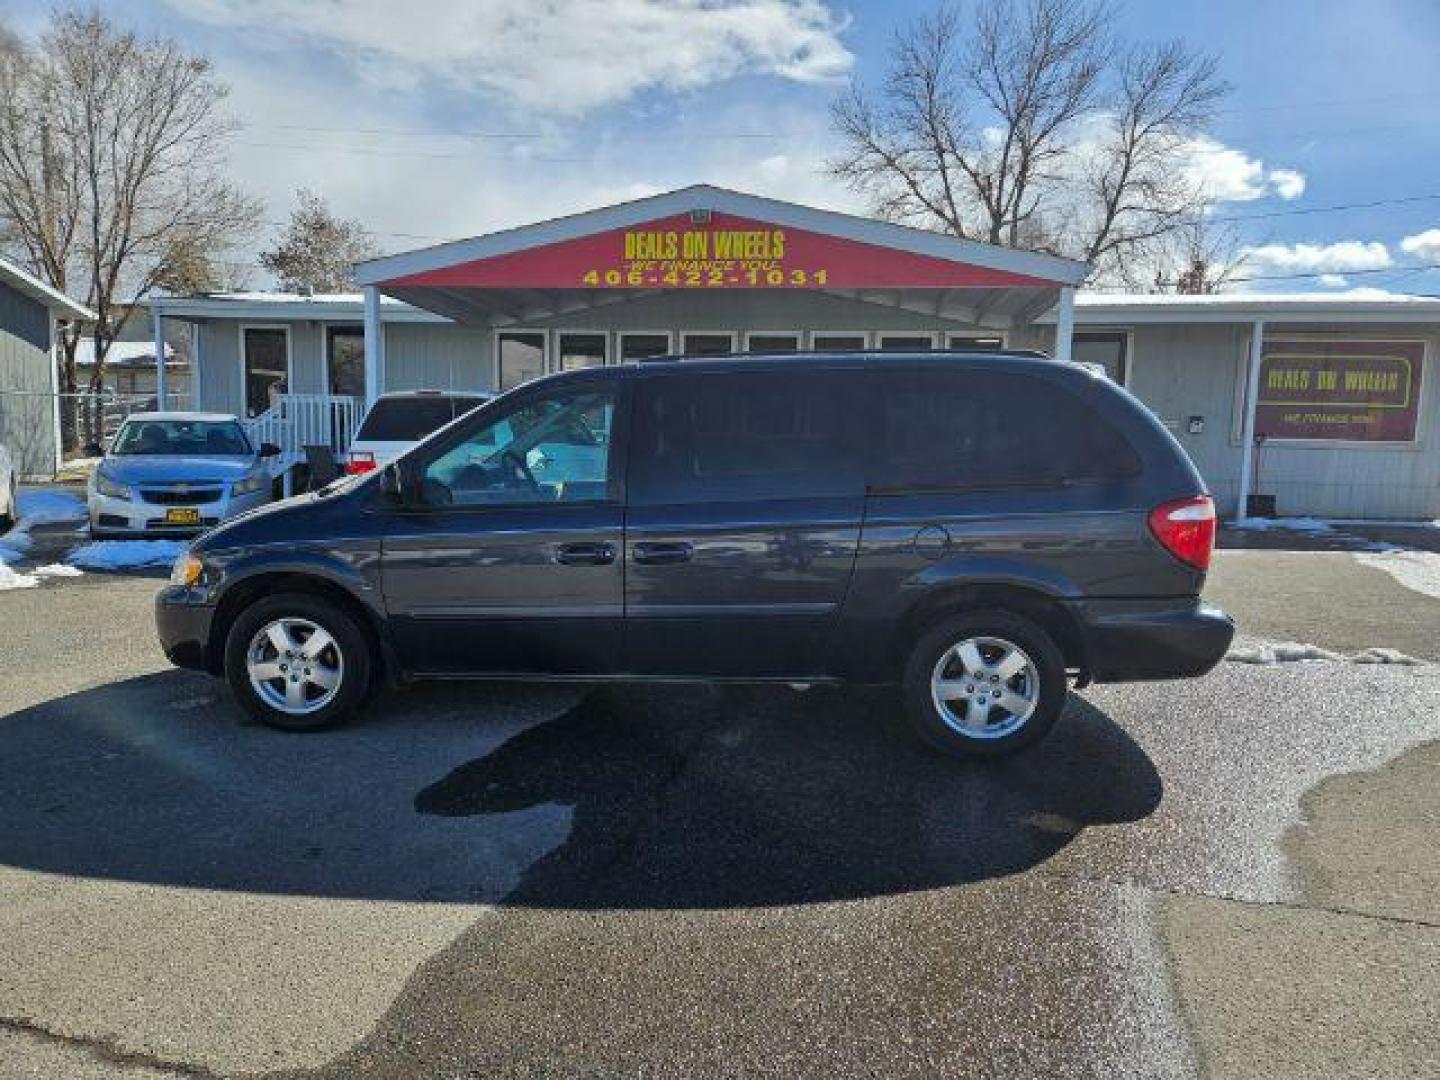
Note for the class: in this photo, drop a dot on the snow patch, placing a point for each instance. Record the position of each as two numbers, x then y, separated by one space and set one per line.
1418 571
9 579
125 554
1294 524
57 569
1290 652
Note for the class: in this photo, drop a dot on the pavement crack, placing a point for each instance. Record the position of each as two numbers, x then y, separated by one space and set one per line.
104 1049
1286 905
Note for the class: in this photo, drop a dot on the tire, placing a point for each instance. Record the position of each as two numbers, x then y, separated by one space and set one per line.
987 728
329 692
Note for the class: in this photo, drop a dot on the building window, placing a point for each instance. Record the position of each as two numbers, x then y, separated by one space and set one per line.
839 341
639 345
1109 349
581 350
267 364
907 342
520 357
345 349
707 344
976 342
765 342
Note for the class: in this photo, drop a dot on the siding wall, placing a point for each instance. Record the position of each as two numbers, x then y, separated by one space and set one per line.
1178 370
27 404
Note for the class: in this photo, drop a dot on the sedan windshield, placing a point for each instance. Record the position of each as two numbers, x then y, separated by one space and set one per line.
162 437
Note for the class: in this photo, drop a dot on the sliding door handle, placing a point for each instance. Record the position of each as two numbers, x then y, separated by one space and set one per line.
654 553
585 554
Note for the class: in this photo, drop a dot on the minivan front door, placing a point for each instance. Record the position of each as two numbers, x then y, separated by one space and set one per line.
509 561
745 503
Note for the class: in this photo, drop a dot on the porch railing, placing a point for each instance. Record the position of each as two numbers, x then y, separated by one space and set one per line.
296 421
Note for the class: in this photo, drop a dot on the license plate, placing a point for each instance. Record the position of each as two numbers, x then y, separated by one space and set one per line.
182 515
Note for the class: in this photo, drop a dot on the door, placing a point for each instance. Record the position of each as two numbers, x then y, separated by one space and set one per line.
511 560
745 503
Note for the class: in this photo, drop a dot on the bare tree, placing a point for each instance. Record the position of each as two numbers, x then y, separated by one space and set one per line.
318 251
112 170
1200 257
1031 126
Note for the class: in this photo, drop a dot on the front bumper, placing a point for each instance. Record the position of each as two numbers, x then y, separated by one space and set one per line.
133 517
1131 640
182 622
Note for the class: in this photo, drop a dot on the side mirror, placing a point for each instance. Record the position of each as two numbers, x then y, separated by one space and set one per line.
392 484
94 449
269 449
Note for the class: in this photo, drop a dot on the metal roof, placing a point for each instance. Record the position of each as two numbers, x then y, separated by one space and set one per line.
37 290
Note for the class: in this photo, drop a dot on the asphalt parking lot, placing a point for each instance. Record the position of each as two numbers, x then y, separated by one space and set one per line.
1235 876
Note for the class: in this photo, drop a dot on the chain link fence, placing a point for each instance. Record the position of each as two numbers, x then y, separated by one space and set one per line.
42 430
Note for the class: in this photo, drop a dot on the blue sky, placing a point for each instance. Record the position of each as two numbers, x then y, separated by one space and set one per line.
429 119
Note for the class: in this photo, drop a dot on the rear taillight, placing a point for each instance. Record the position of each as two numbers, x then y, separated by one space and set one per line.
359 462
1186 529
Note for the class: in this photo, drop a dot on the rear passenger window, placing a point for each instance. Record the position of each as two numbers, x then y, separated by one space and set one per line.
951 429
764 435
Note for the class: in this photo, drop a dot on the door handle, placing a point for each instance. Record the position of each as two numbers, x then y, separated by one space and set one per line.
585 554
662 553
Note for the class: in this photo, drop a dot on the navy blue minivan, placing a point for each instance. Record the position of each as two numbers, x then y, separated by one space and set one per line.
975 528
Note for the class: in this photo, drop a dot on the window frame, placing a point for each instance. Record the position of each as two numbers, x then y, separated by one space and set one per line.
501 331
1127 359
552 360
681 335
416 462
866 339
1003 335
798 335
621 335
881 335
327 330
244 411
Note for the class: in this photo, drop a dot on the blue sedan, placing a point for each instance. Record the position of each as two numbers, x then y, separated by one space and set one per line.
177 473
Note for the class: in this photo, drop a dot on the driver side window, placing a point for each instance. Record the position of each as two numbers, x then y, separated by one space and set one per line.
552 449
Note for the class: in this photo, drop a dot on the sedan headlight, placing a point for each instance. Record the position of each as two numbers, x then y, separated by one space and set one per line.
109 488
247 484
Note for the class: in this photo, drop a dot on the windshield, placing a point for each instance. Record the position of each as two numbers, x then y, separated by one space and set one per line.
168 437
408 419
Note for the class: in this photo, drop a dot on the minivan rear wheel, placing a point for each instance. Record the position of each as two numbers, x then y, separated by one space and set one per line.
297 662
984 684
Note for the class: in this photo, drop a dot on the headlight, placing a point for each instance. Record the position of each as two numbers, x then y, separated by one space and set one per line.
188 570
109 488
246 484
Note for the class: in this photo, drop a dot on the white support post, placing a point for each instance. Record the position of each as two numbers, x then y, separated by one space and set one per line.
157 330
1065 324
374 346
1247 422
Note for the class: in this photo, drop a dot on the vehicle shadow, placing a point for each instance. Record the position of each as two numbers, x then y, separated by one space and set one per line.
635 796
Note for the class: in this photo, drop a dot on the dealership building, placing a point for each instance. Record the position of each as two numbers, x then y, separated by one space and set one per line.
1320 402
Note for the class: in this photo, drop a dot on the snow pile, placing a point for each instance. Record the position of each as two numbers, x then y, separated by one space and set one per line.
9 579
13 546
1416 570
46 507
58 569
1294 524
1289 652
125 554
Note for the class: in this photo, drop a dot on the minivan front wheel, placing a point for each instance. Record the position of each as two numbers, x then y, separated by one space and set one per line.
984 684
297 662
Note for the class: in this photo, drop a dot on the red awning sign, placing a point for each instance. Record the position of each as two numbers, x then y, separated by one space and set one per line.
725 252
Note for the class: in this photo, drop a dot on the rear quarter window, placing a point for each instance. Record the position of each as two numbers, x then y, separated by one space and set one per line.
975 429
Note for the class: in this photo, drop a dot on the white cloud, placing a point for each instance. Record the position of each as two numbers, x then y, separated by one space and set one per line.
1332 281
1336 258
1226 174
1425 245
561 57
